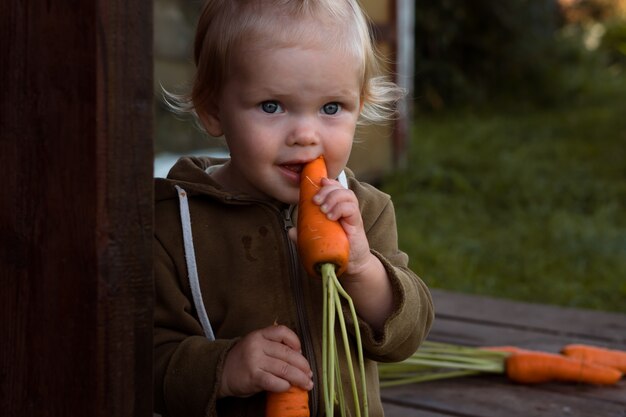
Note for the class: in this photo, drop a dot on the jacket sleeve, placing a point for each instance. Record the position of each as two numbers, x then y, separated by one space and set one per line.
187 366
413 312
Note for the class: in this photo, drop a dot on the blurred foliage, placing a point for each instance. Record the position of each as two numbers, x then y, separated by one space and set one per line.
614 42
581 12
516 183
521 202
483 51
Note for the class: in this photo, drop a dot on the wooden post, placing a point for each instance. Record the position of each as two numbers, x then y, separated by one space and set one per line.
76 208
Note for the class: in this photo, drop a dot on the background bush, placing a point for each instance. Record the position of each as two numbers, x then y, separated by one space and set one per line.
475 52
515 184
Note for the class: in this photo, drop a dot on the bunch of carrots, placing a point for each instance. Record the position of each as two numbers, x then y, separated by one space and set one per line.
576 363
324 251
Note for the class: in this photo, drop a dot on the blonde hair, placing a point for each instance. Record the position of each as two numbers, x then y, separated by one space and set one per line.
225 25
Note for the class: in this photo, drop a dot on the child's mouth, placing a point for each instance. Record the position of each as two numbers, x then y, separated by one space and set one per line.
297 168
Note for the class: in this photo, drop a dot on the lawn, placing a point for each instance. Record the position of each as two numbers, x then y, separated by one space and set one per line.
527 204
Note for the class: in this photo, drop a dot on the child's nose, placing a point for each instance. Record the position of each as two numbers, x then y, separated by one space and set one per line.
304 132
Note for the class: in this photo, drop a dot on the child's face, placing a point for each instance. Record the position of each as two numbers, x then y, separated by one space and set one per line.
282 107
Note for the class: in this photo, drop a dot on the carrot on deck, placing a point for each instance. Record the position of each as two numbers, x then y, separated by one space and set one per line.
292 403
595 354
538 367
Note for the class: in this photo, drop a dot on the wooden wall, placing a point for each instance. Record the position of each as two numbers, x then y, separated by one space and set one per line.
76 208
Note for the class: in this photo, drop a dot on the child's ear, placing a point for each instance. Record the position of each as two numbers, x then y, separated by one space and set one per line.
211 121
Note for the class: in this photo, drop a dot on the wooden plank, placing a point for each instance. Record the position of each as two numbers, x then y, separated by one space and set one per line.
395 410
76 208
602 327
460 331
613 394
495 397
125 233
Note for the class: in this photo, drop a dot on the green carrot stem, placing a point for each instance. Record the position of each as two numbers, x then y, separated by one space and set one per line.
427 377
485 367
439 347
453 358
333 292
436 360
346 345
325 359
357 334
395 368
330 378
340 395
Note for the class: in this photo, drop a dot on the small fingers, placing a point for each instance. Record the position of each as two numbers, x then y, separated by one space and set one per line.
328 186
267 359
288 356
283 364
280 375
342 210
338 202
282 334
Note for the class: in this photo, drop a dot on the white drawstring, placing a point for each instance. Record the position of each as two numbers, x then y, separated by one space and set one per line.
192 270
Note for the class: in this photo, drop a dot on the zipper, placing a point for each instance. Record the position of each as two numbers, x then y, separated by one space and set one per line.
296 282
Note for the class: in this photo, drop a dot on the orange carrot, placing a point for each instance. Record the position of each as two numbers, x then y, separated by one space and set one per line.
292 403
537 367
324 251
320 240
602 356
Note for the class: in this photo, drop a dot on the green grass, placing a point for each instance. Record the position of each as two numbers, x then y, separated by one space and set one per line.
522 204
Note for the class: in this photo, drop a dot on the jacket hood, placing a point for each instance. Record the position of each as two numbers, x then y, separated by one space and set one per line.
190 173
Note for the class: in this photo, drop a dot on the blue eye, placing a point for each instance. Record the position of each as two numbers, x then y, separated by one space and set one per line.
271 107
331 108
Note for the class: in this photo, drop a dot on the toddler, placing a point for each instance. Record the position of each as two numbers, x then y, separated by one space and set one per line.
284 81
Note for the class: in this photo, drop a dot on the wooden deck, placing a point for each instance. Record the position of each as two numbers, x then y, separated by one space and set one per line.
482 321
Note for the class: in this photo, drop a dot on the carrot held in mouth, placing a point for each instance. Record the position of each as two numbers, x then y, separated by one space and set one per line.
320 240
324 250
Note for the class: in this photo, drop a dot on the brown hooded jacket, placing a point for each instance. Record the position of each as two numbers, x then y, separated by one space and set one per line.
250 277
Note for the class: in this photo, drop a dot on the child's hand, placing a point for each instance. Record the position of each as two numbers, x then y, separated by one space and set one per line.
339 203
365 277
268 359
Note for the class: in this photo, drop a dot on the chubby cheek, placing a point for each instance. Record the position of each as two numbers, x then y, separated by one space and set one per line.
337 155
251 144
292 196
